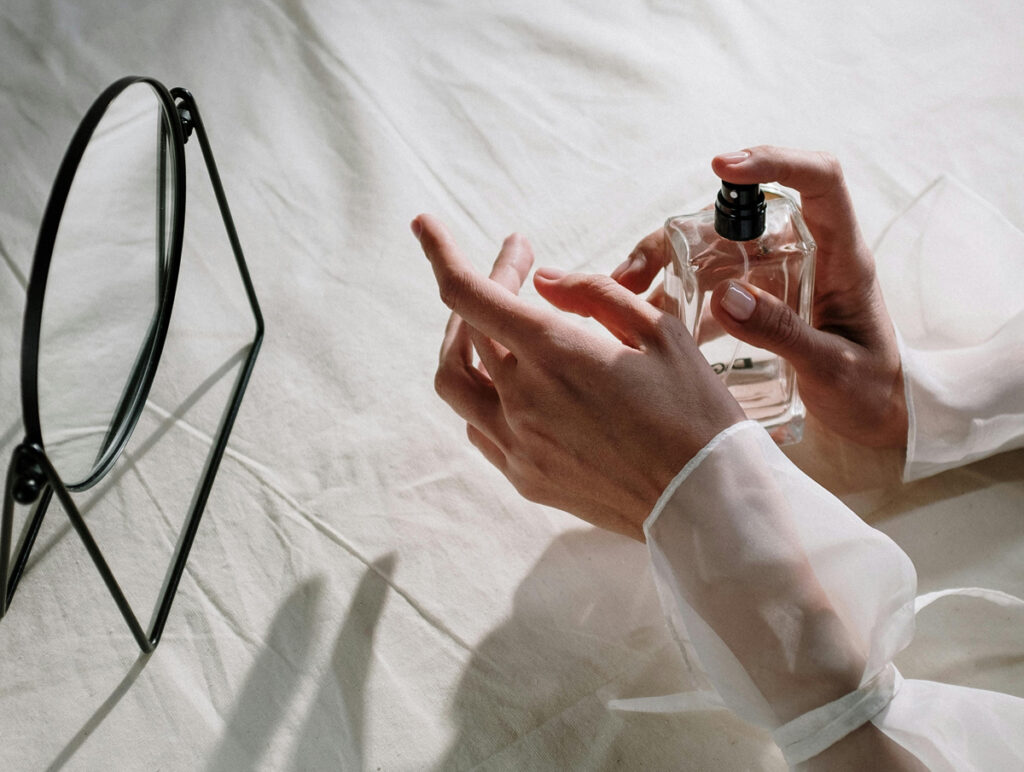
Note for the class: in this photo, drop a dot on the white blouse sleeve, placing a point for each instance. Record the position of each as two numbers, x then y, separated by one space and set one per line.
951 269
795 609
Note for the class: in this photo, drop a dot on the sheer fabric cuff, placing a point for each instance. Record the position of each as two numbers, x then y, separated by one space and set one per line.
949 268
789 600
795 609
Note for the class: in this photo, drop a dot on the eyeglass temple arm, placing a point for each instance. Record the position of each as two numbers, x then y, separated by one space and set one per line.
191 120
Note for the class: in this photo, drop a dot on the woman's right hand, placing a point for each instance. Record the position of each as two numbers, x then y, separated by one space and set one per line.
847 361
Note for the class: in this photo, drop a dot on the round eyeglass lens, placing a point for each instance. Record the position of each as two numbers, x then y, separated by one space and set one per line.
104 285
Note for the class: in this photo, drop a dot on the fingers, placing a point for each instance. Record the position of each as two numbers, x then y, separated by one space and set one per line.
629 318
826 202
647 258
485 305
762 320
663 301
467 390
513 263
813 173
510 270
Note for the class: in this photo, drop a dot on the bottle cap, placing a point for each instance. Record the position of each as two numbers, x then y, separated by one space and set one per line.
739 212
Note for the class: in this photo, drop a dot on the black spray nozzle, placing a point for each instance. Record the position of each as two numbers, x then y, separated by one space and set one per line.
739 212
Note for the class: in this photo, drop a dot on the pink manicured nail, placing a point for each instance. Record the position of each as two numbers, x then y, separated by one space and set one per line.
738 302
550 274
416 228
734 158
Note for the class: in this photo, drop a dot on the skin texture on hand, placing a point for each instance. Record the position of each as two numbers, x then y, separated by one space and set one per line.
847 361
599 427
593 426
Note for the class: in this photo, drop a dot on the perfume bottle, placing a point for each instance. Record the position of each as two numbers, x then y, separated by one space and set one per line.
756 235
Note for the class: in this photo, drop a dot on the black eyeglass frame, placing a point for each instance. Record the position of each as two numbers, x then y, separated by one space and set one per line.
31 476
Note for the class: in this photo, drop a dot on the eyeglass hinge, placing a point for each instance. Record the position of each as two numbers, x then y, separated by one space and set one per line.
29 478
187 122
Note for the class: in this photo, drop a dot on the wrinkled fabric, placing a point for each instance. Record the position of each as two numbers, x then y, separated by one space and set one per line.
796 608
950 268
365 590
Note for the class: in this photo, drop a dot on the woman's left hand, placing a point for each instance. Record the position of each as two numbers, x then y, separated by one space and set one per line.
594 426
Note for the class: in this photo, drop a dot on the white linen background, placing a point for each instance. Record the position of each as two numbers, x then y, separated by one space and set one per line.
365 591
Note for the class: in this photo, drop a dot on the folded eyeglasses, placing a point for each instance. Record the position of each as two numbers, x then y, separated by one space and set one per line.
125 166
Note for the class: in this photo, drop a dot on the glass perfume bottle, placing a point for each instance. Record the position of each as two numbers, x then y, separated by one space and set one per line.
758 236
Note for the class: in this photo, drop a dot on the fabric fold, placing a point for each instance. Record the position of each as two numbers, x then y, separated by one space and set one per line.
948 266
796 608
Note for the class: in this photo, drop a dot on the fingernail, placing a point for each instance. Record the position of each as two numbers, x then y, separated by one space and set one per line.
738 302
550 274
416 227
734 158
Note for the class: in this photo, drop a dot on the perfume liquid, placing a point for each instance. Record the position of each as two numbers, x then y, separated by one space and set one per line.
757 236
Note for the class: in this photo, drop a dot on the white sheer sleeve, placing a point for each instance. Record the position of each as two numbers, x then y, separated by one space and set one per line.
950 267
795 609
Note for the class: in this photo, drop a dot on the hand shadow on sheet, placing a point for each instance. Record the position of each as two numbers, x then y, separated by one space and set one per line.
271 683
331 736
586 627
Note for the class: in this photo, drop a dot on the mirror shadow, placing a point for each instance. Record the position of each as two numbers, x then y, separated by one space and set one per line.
100 715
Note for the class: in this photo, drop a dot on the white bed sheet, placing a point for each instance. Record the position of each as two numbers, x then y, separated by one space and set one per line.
365 592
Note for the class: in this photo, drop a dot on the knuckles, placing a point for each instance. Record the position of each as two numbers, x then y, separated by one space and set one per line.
452 287
596 285
446 382
781 327
832 168
832 171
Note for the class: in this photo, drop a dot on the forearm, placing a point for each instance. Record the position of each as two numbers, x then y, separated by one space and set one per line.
781 589
864 748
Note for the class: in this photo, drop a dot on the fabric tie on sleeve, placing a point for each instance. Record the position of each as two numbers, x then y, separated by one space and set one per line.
782 591
808 735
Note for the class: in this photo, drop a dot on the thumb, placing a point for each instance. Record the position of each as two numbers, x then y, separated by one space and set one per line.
759 318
